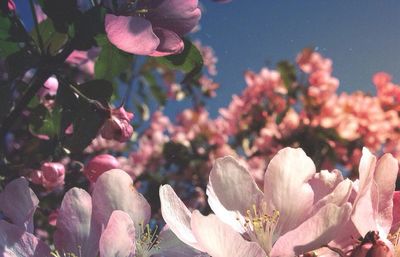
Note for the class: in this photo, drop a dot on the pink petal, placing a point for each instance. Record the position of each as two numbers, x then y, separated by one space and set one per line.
396 211
324 182
15 242
231 189
385 177
131 34
118 239
180 16
170 43
286 187
339 196
365 210
316 231
220 240
114 190
177 216
170 246
18 203
366 171
76 230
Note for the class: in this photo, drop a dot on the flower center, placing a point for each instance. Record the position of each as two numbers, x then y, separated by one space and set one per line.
147 241
260 225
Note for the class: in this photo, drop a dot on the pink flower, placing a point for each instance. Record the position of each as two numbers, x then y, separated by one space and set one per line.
278 219
98 165
18 204
150 27
84 60
118 127
111 222
53 174
204 233
49 88
11 5
374 209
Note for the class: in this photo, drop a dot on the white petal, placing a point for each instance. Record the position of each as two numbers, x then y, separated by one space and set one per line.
220 240
231 189
286 187
177 216
314 232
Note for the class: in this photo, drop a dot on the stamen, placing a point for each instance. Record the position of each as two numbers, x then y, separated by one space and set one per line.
260 225
147 240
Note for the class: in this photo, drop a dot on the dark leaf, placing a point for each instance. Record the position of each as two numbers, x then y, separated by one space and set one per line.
52 40
288 73
111 61
188 61
155 89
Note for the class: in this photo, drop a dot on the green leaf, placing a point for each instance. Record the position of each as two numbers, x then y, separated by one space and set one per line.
45 122
155 89
98 89
87 26
288 73
86 125
111 61
7 45
52 40
187 61
86 118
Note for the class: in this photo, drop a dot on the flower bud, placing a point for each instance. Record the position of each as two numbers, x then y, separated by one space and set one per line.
53 175
11 5
118 127
49 88
98 165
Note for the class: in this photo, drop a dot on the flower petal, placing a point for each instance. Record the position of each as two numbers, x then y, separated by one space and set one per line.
324 182
316 231
385 177
231 189
131 34
15 242
114 191
18 203
286 187
118 239
180 16
220 240
177 216
76 230
170 246
396 211
339 196
170 43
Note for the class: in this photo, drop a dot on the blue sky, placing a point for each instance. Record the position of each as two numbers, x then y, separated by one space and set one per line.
360 38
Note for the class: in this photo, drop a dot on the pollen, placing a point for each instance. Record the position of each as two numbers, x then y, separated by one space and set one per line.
260 225
147 240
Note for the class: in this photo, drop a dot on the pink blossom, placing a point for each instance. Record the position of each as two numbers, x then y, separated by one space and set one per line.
53 174
11 5
84 60
152 27
118 126
204 233
373 215
98 165
111 222
274 219
322 84
388 93
49 88
209 58
99 144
